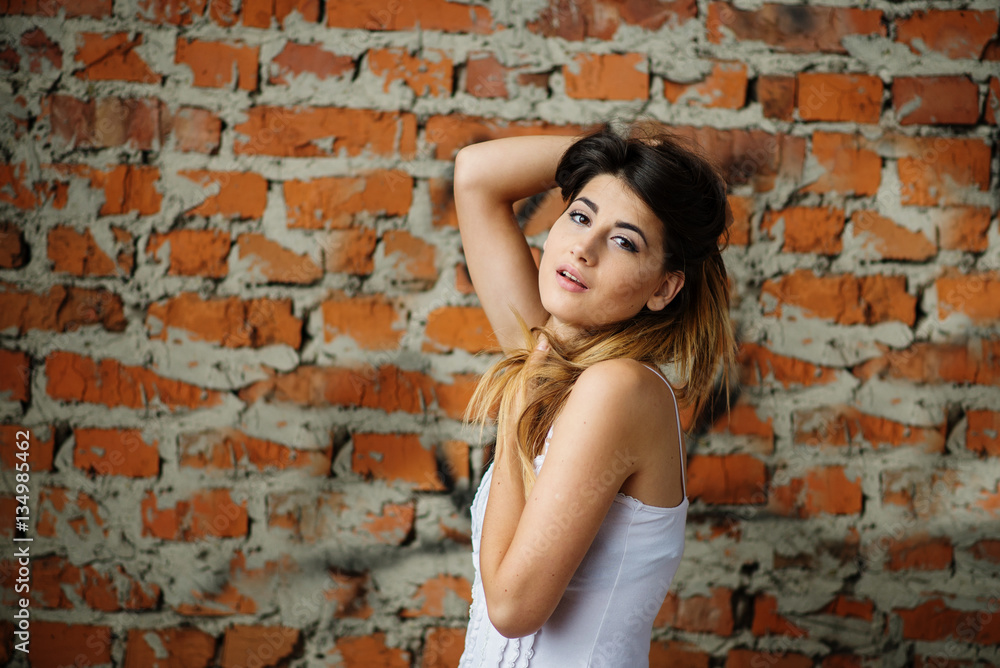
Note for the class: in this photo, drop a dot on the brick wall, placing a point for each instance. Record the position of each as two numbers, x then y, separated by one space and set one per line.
236 320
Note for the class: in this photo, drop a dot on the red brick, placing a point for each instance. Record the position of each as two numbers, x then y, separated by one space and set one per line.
433 596
112 57
96 9
25 190
428 14
40 51
464 327
485 76
600 19
77 253
767 621
192 252
336 201
844 299
61 309
847 167
413 258
116 452
58 644
842 426
675 654
982 433
106 122
724 88
442 193
209 512
742 209
351 251
839 97
727 479
920 552
258 646
808 229
745 658
174 12
450 133
823 490
350 594
762 366
13 247
41 441
325 131
453 397
82 514
698 614
935 100
608 76
298 59
274 263
743 420
751 156
219 64
370 650
935 621
396 458
258 13
992 111
889 240
238 194
987 549
842 606
538 216
186 646
10 63
976 361
776 95
962 228
72 377
229 321
956 34
105 591
226 449
939 170
975 296
15 383
392 524
386 388
196 130
443 647
426 77
794 28
372 321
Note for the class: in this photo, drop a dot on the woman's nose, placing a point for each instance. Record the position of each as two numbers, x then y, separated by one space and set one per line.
585 248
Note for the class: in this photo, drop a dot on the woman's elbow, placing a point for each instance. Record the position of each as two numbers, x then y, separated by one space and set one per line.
512 620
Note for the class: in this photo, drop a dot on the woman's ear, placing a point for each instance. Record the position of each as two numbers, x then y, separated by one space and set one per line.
671 285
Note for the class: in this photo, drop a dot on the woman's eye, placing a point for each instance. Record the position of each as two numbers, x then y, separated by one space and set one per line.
578 217
627 244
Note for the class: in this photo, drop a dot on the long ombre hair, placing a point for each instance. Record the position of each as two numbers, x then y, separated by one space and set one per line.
692 333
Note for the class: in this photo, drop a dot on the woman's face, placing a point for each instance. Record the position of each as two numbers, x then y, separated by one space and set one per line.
604 260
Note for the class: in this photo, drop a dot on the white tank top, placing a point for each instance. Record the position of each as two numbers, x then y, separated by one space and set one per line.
605 618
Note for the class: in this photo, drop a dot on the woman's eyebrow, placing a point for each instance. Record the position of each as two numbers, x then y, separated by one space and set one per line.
634 228
620 223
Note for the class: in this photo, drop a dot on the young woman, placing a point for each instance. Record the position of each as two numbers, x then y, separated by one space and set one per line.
578 525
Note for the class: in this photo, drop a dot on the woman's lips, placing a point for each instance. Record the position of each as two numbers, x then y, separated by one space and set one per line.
568 283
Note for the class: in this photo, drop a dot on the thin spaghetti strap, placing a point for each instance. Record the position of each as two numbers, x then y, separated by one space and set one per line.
680 435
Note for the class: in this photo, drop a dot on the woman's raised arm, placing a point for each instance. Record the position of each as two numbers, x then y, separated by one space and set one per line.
489 178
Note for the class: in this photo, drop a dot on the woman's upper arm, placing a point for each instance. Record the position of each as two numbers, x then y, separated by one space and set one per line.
589 457
500 262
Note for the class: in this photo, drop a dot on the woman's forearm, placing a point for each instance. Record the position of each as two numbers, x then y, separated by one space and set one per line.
507 170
